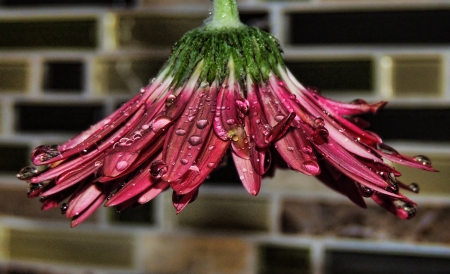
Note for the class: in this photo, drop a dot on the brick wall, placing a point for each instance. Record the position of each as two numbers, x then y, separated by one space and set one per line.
64 66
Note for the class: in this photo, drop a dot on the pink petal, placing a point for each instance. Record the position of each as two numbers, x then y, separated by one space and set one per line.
211 155
83 198
153 191
181 201
187 136
247 174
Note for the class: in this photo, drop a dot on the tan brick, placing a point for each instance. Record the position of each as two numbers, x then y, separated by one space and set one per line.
125 75
154 31
414 76
322 218
13 76
224 212
199 255
71 247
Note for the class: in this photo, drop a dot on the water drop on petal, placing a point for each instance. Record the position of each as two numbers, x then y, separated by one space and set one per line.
121 165
201 124
180 132
424 160
195 140
184 161
27 173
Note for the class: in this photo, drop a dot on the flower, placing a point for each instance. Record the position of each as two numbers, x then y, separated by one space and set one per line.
224 87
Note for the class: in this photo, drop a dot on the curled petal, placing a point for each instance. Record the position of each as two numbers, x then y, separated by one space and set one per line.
181 201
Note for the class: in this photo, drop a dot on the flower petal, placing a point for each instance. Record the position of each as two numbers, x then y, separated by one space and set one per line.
250 179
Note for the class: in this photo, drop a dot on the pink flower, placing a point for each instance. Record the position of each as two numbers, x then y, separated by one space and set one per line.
222 89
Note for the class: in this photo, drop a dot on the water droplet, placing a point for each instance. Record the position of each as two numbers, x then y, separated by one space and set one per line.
387 149
33 187
312 167
45 152
160 122
358 102
210 165
278 118
195 140
408 209
320 123
242 106
244 169
180 132
97 163
307 149
184 161
158 169
424 160
241 178
64 207
258 121
290 149
365 191
170 99
201 124
230 121
320 136
414 187
211 147
145 127
27 173
235 138
121 165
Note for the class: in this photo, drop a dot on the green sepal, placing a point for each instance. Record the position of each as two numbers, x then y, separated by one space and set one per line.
254 52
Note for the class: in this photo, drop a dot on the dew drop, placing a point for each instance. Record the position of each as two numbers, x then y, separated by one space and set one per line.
307 149
241 178
210 148
27 173
235 138
33 187
244 169
184 161
290 149
201 124
180 132
230 121
64 207
97 163
312 167
320 123
210 165
408 210
387 149
195 140
365 191
414 187
358 102
45 152
170 99
158 168
424 160
121 165
278 118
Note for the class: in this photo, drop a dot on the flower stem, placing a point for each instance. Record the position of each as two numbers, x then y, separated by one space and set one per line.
224 14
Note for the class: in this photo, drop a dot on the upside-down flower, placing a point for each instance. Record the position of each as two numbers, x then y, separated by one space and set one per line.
225 87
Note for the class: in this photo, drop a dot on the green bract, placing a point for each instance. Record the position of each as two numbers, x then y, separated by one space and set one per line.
254 52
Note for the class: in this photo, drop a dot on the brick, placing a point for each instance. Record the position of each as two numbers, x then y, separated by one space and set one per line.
344 220
71 247
374 28
141 215
355 262
224 212
49 33
157 31
334 75
34 117
283 259
125 75
64 76
13 157
200 255
14 76
417 76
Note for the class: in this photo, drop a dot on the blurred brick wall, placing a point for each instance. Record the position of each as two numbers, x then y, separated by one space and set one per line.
63 66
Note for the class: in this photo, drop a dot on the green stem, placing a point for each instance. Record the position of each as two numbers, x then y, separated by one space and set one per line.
224 14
